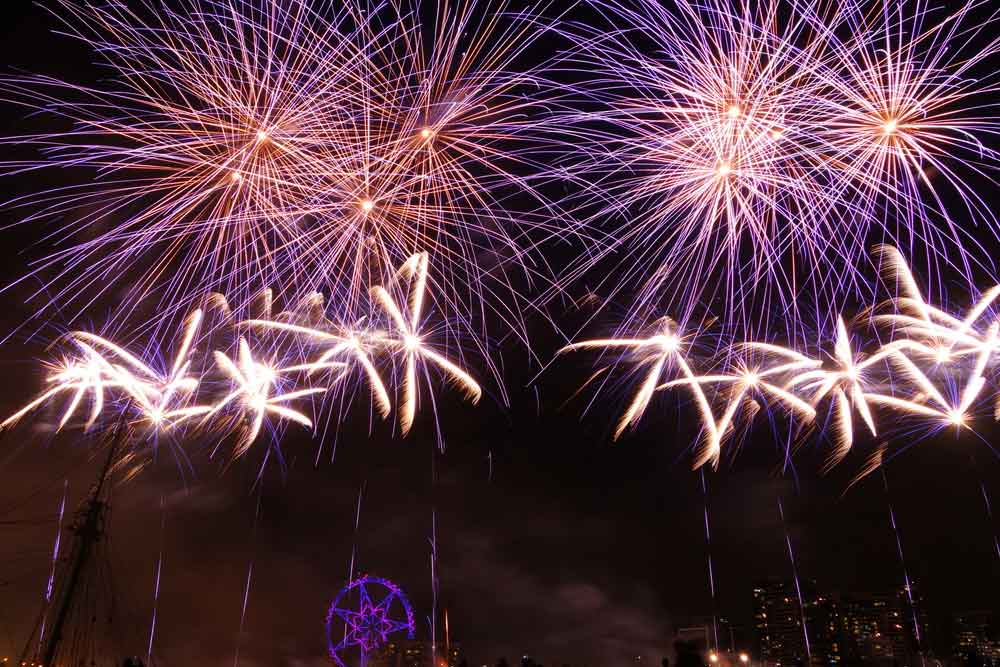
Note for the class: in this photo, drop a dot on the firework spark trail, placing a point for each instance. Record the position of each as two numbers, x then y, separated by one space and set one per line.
989 516
237 390
253 382
352 345
795 578
748 383
657 352
846 384
49 585
402 304
434 585
160 397
156 584
410 341
357 525
354 548
944 335
907 584
85 373
947 412
100 365
163 399
711 569
246 588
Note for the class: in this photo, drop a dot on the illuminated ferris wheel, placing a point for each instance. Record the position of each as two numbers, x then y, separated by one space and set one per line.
364 615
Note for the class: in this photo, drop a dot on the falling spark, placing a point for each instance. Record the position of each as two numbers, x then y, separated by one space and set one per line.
55 559
907 584
156 585
795 578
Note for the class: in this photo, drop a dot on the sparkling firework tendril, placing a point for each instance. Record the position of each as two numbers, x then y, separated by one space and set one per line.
935 368
254 382
406 337
409 340
86 373
161 398
845 383
747 384
344 344
237 393
658 352
166 400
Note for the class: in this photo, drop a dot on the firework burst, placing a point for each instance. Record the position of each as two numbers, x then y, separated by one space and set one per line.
203 149
911 109
751 146
101 365
245 144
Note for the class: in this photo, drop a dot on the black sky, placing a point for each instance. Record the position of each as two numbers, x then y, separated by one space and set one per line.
551 540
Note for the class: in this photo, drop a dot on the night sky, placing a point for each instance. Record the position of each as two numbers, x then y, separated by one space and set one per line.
551 539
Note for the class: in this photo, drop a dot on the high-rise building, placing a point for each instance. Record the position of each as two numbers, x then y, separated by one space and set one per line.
975 639
865 629
731 637
823 622
883 628
778 629
866 621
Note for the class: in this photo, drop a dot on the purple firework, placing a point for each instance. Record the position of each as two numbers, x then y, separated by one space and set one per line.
364 614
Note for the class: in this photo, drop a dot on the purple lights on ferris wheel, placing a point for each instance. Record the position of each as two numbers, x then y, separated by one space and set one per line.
365 614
